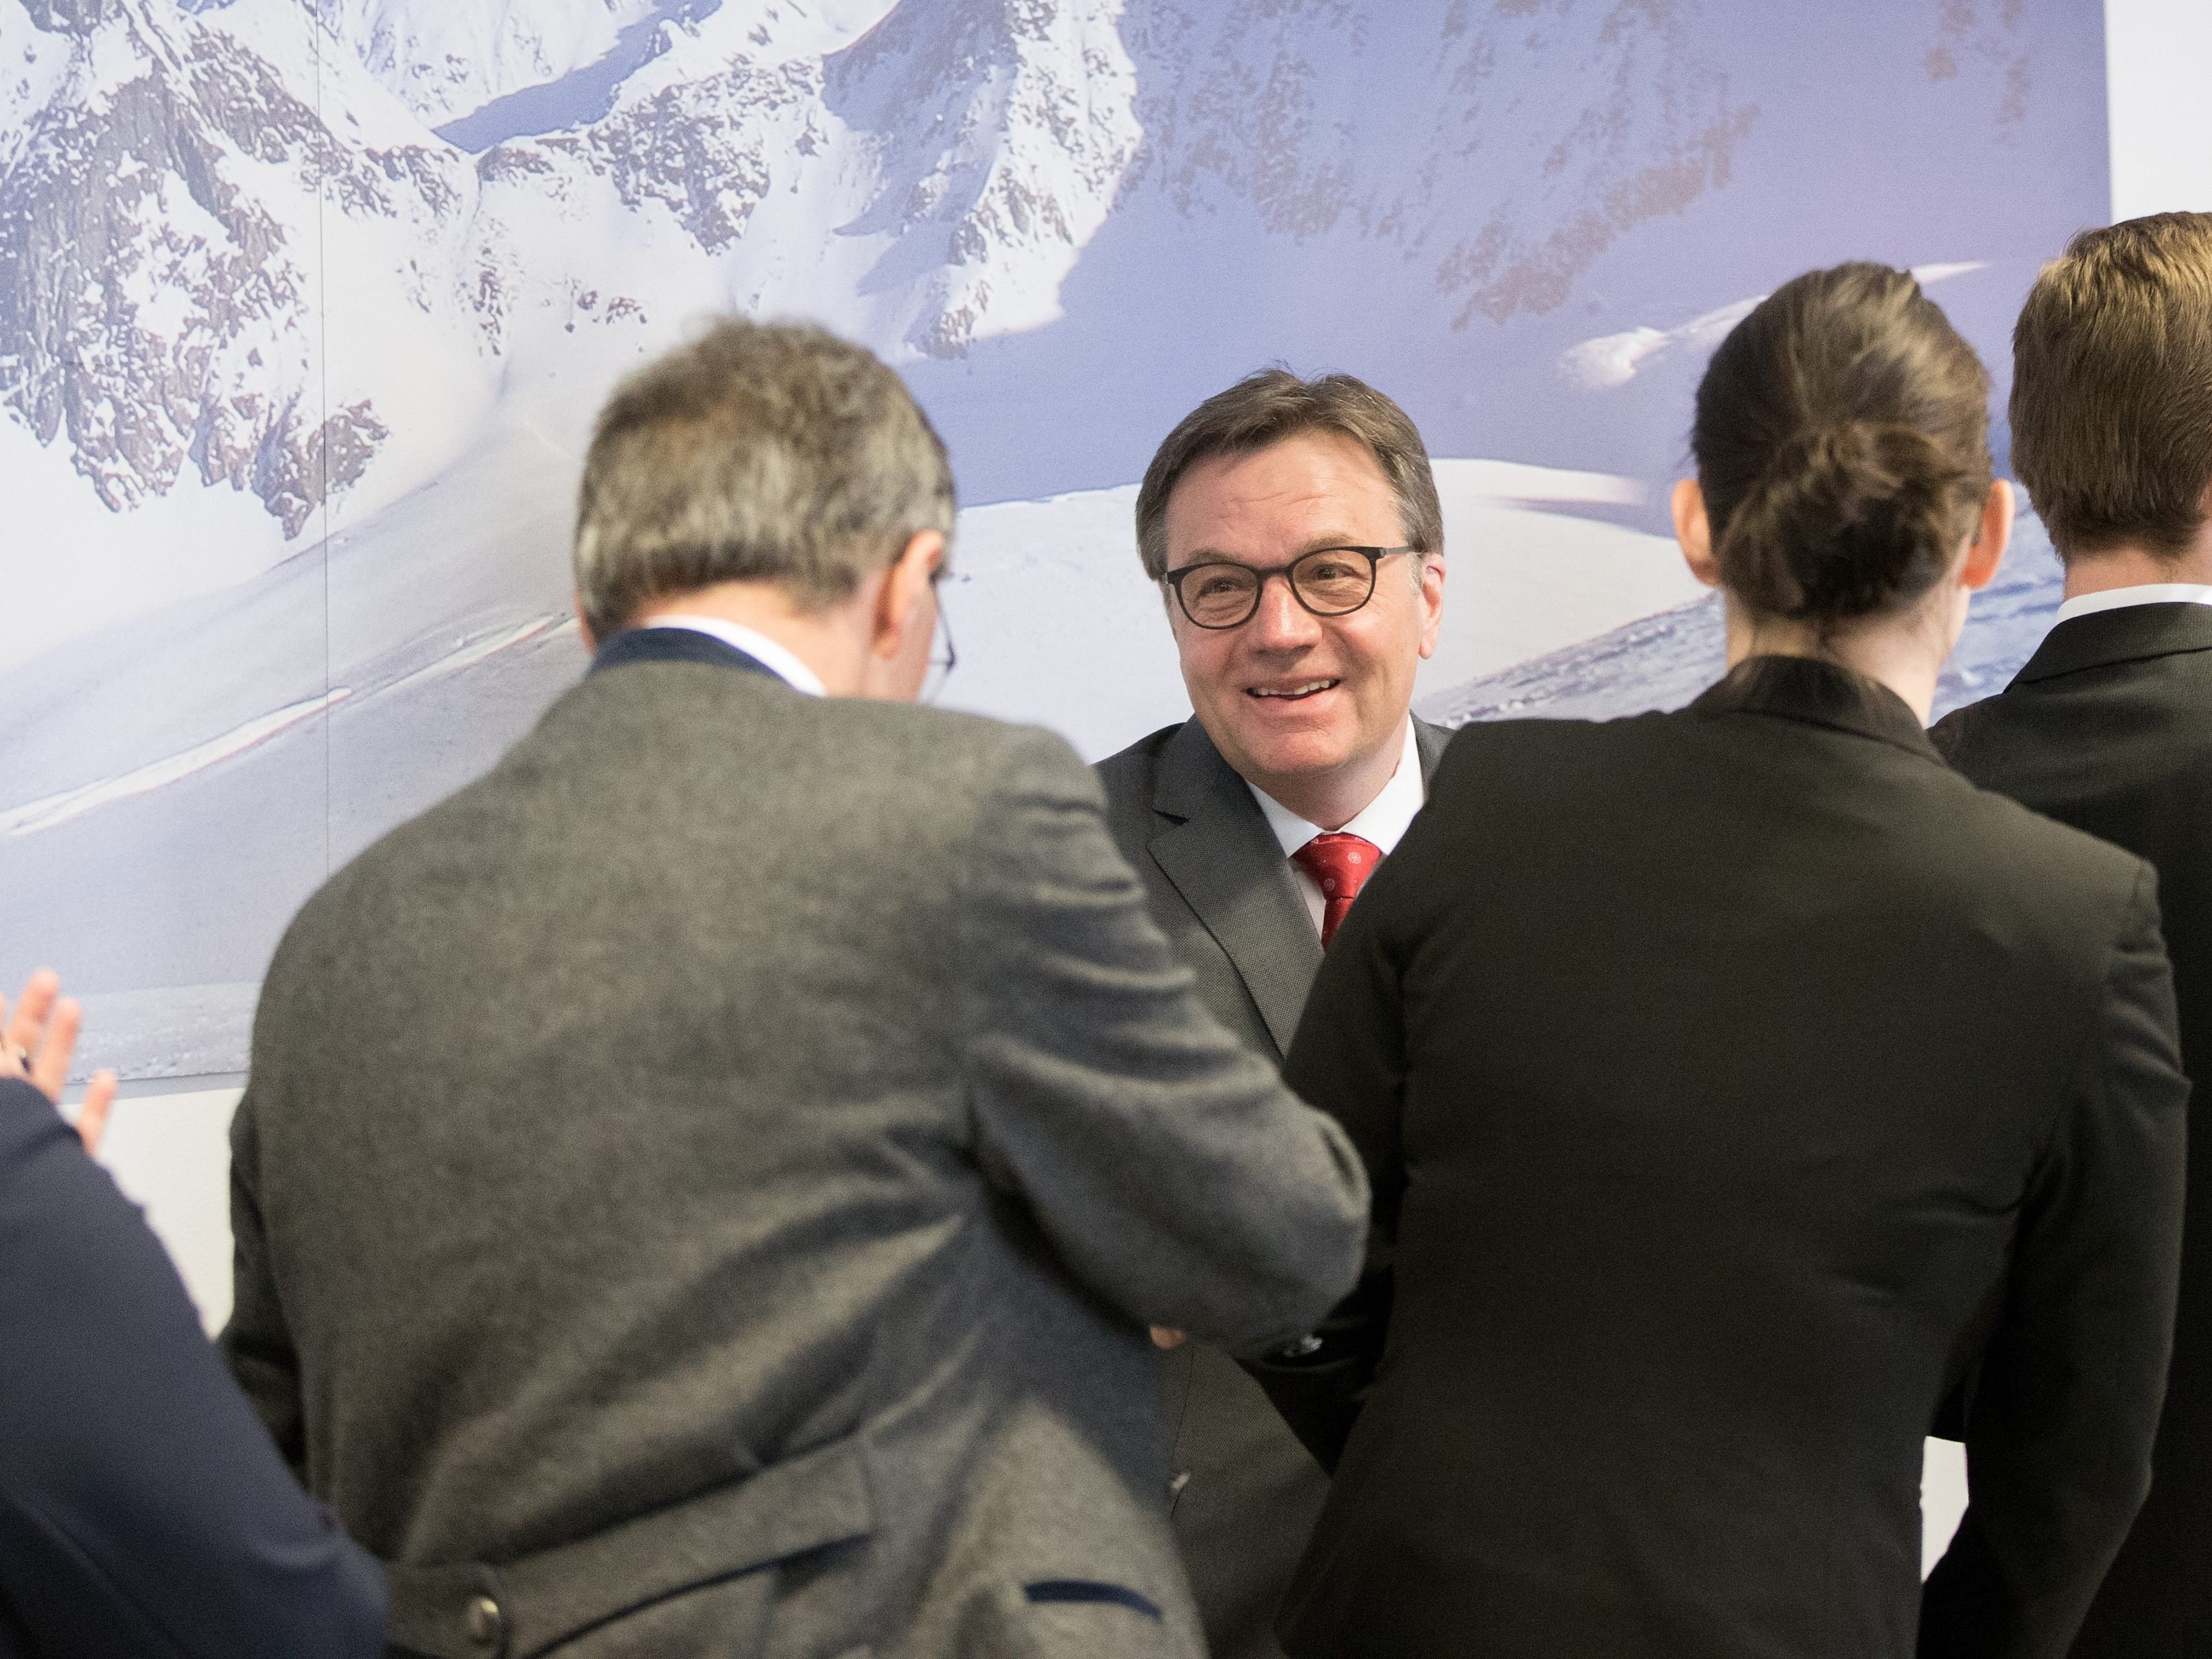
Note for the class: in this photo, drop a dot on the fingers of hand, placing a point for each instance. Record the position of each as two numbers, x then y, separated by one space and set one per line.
1164 1338
50 1060
32 1009
92 1116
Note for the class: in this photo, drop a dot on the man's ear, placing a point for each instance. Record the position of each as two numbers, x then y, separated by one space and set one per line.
1694 531
1432 601
898 601
1991 536
584 626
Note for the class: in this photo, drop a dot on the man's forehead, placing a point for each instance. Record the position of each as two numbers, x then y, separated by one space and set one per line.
1307 480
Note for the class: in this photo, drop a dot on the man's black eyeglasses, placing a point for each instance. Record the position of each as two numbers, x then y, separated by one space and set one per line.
1329 581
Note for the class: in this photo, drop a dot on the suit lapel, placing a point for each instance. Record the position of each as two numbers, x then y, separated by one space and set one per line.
1230 869
1429 743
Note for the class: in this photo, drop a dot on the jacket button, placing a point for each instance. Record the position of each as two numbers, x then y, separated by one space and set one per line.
485 1623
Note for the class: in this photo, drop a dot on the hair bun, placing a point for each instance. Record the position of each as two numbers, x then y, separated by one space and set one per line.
1847 519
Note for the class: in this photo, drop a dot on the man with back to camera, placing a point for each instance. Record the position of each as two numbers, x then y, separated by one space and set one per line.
2108 727
1294 528
703 1187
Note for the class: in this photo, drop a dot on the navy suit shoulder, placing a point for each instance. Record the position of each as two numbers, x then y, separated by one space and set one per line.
142 1509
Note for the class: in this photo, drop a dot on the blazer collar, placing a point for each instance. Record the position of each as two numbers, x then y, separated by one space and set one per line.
1820 693
1225 862
2130 633
637 644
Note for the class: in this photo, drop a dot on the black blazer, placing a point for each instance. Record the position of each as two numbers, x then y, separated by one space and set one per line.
142 1509
2109 729
1730 1081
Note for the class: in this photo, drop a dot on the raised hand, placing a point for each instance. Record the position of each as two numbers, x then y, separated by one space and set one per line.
36 1044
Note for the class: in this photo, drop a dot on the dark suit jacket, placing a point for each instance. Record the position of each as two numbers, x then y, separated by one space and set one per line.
703 1187
2109 729
143 1510
1247 1492
1730 1080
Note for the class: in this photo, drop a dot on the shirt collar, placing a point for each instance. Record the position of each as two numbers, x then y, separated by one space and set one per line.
2117 598
1383 821
778 659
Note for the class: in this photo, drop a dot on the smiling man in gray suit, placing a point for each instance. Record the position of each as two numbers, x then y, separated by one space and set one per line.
1294 528
703 1187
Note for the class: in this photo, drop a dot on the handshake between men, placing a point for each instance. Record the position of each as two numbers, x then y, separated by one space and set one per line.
714 1173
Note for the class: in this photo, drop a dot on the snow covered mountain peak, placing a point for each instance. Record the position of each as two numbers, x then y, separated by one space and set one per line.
1002 130
448 58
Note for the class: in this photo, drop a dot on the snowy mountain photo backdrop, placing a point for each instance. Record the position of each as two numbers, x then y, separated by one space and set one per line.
306 305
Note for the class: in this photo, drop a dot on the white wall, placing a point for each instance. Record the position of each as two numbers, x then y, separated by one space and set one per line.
169 1151
2158 56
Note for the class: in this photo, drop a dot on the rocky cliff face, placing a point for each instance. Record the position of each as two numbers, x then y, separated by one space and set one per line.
161 208
446 59
1000 133
232 245
1499 147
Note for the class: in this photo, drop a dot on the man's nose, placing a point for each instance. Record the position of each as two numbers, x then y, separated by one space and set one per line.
1281 622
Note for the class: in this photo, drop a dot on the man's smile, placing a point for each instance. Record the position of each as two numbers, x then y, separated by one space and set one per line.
1304 689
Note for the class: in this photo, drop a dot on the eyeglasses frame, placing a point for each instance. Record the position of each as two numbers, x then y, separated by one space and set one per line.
931 693
1173 580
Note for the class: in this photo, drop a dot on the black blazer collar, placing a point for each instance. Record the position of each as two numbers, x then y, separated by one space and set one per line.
636 644
2128 634
1821 694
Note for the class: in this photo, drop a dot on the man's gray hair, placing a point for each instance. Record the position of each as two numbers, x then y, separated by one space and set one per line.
761 451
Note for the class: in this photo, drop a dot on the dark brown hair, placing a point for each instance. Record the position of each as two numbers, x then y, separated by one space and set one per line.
1267 407
2112 387
1842 440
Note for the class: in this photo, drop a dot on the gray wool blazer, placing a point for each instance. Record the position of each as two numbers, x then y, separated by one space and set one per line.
1246 1494
703 1187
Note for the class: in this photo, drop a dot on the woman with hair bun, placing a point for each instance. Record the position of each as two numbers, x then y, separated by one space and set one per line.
1739 1086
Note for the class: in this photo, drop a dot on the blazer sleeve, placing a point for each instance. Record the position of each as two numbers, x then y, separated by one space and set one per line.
1349 1059
141 1509
255 1342
1169 1167
2063 1414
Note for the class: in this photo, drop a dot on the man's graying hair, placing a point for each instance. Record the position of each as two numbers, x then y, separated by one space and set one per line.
761 451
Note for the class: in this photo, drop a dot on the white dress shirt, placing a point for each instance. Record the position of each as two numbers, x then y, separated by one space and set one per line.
778 659
1381 821
2118 599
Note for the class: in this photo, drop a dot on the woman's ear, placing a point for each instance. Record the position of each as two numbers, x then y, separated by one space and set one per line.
1991 536
1694 531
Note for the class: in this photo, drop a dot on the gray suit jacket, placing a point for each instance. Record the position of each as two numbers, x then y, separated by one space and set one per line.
703 1187
1246 1494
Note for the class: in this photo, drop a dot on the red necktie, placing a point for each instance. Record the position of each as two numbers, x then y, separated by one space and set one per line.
1339 864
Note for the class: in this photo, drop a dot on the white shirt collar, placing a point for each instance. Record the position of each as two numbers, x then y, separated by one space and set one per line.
1383 821
2118 599
778 659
